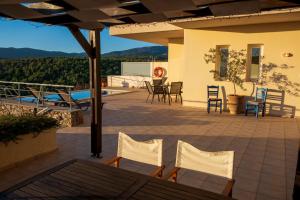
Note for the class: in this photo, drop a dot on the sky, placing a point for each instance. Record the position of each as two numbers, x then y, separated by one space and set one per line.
21 34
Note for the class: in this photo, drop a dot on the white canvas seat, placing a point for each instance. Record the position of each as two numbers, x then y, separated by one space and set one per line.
148 152
216 163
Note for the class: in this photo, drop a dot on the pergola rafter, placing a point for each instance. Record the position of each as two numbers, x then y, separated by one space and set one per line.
94 15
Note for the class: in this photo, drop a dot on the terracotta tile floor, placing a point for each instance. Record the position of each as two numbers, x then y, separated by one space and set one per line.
265 149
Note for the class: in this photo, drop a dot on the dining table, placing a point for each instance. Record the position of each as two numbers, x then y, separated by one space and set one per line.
82 179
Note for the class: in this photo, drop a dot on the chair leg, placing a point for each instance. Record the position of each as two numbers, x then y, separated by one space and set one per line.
208 107
256 111
263 110
147 98
216 106
180 99
176 98
221 108
152 98
169 97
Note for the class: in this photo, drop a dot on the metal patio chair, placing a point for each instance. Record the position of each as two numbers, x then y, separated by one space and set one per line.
155 90
215 163
157 82
259 103
148 152
175 90
213 98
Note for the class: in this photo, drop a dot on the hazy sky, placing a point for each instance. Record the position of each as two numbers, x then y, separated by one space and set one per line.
54 38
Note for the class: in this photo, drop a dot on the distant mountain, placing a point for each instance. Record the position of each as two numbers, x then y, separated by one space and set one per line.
156 51
14 53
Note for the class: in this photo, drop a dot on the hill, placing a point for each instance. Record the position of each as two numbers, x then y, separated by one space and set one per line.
13 53
159 52
155 51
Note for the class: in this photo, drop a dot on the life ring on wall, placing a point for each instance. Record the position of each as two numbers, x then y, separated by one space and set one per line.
158 72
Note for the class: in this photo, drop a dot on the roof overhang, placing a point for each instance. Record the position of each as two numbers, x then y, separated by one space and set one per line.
162 32
96 14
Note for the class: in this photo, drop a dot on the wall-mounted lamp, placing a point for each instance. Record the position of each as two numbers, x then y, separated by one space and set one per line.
286 55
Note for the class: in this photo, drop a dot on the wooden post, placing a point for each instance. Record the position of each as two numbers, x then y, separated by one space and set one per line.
92 49
95 87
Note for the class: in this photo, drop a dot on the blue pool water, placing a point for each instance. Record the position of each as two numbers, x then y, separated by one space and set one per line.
76 95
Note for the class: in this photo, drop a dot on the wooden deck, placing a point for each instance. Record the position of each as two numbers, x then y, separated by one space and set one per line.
78 179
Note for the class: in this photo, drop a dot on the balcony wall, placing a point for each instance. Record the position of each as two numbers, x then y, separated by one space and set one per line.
277 39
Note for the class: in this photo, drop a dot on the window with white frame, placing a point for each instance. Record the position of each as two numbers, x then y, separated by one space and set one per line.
255 52
222 56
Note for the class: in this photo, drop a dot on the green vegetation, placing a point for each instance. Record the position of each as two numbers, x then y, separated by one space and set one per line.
59 70
65 71
235 66
13 126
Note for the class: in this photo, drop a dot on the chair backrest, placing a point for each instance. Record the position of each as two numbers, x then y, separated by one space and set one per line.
35 93
149 152
212 91
163 80
65 96
216 163
261 94
176 87
149 87
159 89
157 82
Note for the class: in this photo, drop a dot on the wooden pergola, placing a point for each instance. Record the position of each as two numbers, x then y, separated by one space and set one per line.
94 15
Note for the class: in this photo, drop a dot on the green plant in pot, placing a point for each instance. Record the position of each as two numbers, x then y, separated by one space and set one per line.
234 72
11 127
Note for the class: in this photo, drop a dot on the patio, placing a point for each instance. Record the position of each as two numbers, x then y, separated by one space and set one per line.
265 149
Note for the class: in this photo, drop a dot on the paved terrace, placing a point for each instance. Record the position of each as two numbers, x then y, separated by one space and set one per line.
265 149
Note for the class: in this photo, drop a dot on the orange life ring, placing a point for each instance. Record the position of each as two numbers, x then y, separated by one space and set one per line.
158 72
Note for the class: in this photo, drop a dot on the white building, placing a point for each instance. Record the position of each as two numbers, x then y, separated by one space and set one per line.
133 74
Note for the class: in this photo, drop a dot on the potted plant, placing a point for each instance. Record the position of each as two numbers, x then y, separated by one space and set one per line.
236 68
25 137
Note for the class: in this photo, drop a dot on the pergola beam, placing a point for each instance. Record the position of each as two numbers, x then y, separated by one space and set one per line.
95 87
92 49
82 41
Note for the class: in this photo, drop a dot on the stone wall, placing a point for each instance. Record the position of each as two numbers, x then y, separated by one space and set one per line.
65 117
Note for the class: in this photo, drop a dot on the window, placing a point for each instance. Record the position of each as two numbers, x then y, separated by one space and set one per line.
254 62
222 55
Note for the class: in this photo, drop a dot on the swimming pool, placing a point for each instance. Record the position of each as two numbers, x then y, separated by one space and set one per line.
76 95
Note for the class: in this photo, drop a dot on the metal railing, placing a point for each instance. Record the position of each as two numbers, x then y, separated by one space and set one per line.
40 95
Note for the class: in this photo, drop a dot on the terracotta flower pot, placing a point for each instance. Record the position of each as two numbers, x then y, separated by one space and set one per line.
233 104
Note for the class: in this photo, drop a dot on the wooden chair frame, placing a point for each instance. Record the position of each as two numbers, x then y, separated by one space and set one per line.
213 91
260 102
226 192
67 99
158 172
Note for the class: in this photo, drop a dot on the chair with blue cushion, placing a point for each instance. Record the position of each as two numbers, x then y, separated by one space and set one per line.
213 98
259 103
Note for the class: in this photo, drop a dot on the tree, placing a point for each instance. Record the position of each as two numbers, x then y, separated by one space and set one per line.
236 66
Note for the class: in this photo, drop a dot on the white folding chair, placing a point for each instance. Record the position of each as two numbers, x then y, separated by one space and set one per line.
216 163
149 152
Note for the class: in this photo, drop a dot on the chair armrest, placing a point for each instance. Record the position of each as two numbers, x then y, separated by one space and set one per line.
172 174
228 188
115 160
158 172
